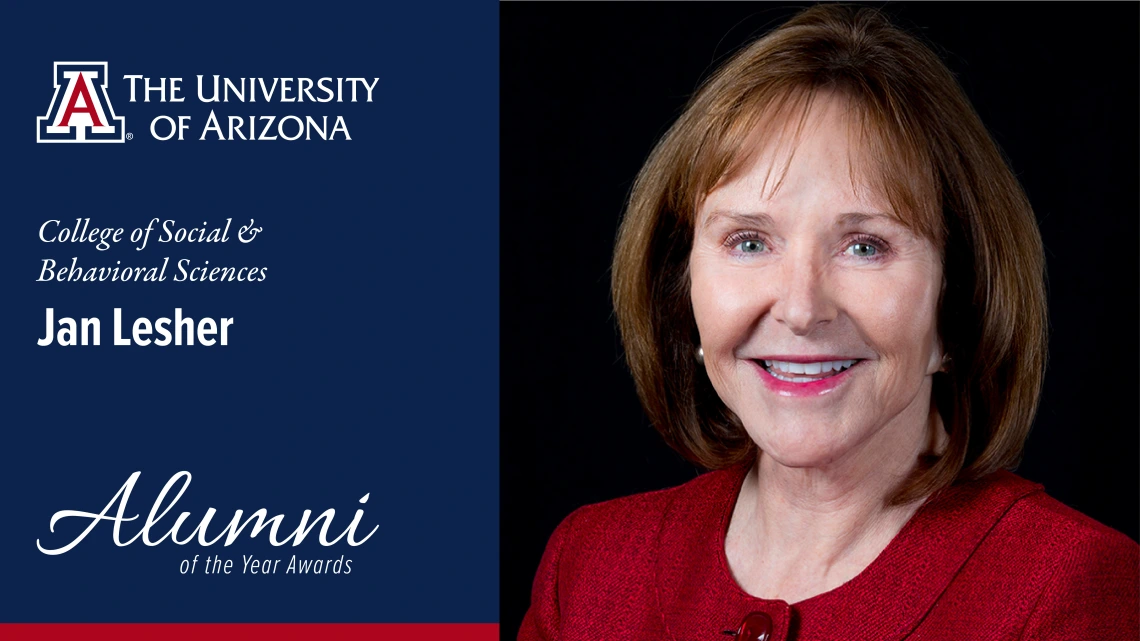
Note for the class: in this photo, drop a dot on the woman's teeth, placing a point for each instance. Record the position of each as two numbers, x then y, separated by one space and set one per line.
787 371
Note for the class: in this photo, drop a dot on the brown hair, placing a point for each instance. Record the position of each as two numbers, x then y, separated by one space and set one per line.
944 177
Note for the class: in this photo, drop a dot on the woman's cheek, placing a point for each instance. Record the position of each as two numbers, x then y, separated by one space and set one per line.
895 310
731 305
900 326
725 310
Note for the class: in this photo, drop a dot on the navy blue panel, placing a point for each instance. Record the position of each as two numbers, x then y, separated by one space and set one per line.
365 362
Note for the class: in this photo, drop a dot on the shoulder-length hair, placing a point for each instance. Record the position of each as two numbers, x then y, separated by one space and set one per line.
944 177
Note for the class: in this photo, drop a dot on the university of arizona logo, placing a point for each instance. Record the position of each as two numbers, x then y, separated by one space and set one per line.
80 110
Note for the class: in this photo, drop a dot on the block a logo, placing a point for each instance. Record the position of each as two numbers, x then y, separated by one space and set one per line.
80 110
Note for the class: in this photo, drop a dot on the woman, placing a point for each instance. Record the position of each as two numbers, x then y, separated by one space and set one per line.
830 289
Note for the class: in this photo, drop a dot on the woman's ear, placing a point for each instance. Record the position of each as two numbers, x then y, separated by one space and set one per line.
939 360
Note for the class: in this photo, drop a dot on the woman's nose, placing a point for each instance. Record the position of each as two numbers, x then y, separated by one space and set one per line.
804 301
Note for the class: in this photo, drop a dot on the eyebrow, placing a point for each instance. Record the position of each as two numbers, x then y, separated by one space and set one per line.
854 218
761 219
748 218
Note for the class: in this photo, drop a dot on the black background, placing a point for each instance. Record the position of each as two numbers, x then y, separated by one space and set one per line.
587 89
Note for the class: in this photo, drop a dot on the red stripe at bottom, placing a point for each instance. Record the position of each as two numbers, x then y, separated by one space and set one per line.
275 631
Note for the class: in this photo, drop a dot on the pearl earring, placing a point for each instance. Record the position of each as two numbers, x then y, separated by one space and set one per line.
700 355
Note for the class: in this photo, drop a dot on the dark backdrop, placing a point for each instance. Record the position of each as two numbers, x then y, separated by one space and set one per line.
587 89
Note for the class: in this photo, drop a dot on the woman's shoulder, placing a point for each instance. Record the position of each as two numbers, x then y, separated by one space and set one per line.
1047 527
601 559
625 532
1014 520
1041 561
1068 542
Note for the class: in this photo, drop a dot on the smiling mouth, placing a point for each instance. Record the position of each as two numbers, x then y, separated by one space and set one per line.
806 372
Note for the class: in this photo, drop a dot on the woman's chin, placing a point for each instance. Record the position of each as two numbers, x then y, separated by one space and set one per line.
803 453
802 459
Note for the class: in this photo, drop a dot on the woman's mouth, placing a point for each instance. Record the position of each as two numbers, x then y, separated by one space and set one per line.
806 372
805 378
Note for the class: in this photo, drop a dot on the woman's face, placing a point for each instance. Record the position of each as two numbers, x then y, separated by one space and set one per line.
816 307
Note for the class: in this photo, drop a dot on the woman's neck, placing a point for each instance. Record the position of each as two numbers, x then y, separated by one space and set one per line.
799 532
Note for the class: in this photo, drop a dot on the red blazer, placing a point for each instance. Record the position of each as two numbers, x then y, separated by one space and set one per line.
988 559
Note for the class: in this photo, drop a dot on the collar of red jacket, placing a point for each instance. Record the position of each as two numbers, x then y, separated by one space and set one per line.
699 598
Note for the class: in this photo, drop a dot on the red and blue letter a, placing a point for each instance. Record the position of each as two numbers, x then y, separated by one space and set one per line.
80 110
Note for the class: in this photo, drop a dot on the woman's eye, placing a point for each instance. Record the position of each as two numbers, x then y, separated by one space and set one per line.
751 246
862 250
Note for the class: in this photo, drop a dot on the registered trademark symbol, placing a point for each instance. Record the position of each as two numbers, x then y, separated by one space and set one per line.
130 136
